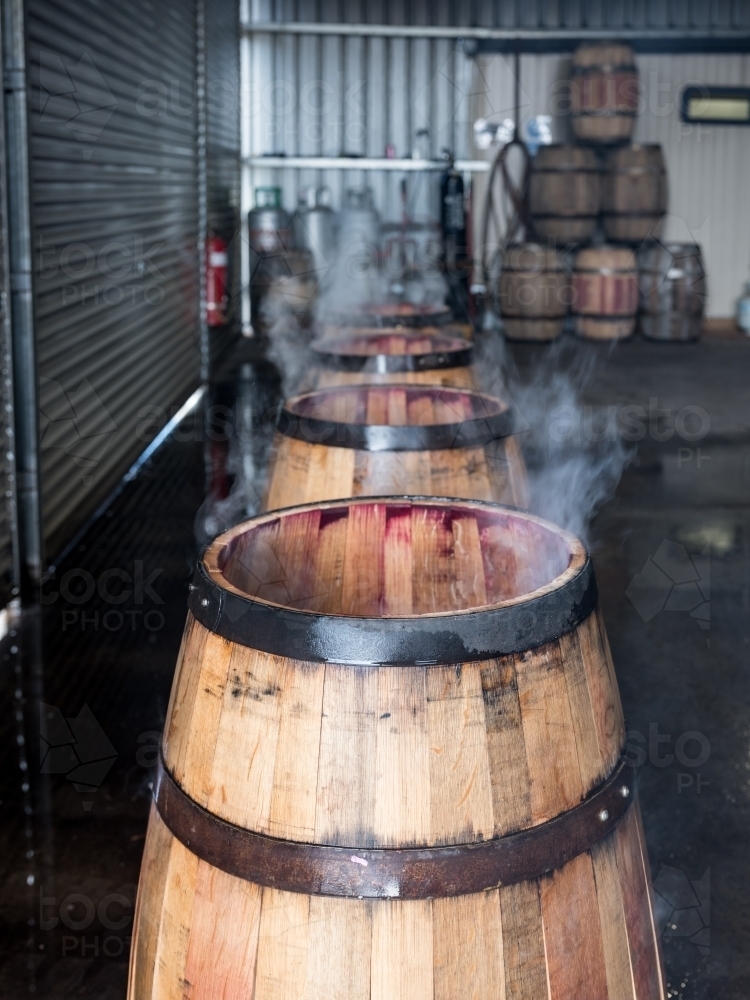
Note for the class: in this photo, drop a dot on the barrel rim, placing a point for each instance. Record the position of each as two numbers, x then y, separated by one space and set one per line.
455 355
473 432
442 637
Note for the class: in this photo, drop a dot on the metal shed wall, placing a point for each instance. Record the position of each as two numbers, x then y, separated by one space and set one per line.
115 220
8 534
223 146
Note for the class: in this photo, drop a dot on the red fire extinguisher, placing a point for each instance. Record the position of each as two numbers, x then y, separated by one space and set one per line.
217 281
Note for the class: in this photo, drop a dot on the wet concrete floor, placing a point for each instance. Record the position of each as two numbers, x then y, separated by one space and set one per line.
85 678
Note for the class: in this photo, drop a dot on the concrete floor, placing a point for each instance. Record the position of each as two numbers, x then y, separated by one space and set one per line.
70 850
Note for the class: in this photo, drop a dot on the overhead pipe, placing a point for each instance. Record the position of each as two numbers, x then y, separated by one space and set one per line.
21 299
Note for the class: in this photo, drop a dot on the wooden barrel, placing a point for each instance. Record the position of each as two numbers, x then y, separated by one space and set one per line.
396 314
382 440
634 193
605 293
603 93
392 767
391 356
564 193
673 291
534 293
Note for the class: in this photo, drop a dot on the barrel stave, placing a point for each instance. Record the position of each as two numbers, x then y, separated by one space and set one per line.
423 727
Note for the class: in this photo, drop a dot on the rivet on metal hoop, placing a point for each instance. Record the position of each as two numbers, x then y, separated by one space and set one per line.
604 815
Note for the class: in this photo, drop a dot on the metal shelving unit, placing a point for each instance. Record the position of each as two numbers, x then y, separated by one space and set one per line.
362 163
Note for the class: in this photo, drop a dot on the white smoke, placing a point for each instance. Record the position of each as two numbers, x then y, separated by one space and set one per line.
288 346
574 452
245 460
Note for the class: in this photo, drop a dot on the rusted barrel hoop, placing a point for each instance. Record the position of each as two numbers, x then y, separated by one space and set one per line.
593 69
388 873
383 364
473 432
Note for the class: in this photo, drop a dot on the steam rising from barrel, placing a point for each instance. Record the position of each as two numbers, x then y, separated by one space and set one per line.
574 453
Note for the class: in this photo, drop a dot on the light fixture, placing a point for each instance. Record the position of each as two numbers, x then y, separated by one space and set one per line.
716 105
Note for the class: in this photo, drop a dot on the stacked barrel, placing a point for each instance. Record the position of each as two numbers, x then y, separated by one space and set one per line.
393 760
602 187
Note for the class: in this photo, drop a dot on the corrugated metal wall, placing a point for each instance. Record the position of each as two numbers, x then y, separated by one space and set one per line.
114 200
328 96
8 534
223 146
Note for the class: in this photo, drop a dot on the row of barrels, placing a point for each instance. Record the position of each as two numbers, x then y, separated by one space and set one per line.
570 190
609 291
393 760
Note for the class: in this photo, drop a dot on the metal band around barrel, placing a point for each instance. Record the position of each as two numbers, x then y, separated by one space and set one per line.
607 317
471 433
384 364
594 68
393 873
422 640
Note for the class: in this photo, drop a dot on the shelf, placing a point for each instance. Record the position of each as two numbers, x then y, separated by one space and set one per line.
362 163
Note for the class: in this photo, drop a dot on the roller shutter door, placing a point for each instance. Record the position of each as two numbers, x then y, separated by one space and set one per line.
8 539
113 136
223 148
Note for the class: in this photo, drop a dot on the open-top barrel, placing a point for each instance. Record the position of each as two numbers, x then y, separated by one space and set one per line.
387 356
393 767
380 440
